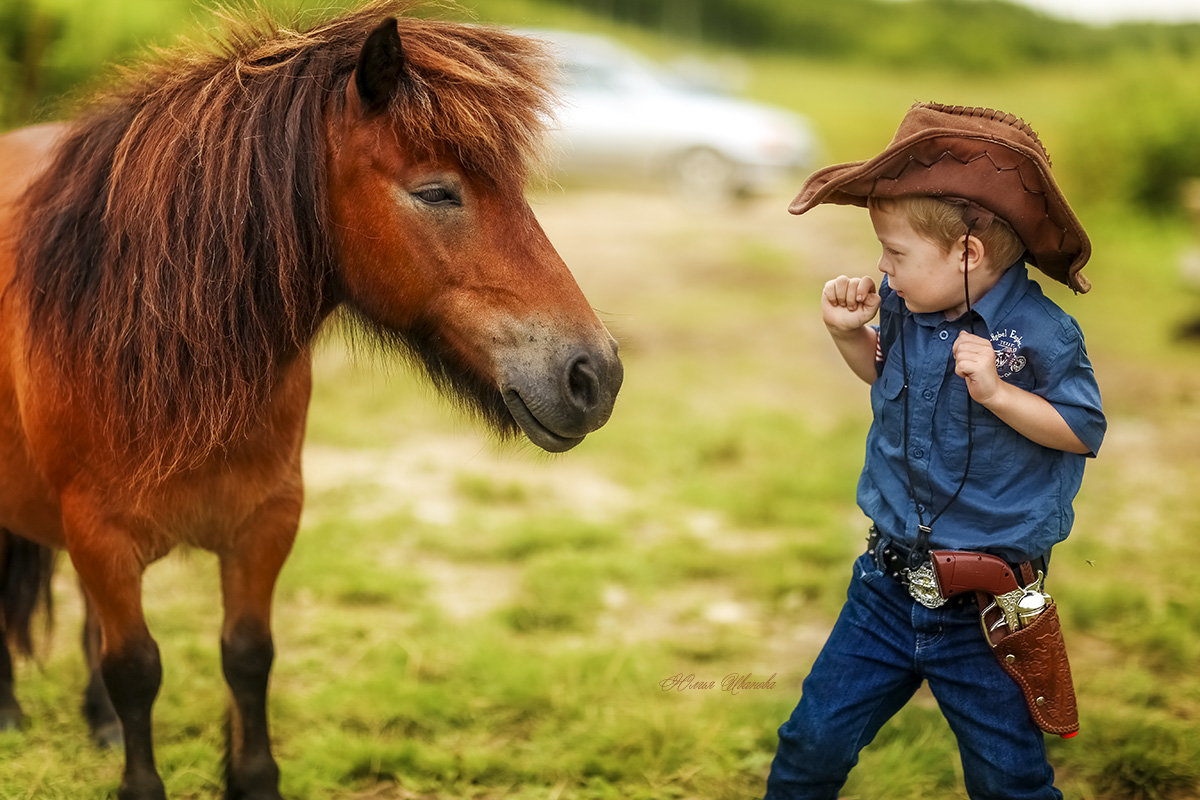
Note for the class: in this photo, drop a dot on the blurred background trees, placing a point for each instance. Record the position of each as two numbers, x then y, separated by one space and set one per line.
1143 154
963 34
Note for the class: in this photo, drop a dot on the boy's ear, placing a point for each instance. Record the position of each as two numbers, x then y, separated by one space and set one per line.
380 71
976 252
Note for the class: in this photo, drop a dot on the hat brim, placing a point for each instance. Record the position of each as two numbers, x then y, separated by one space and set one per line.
1005 177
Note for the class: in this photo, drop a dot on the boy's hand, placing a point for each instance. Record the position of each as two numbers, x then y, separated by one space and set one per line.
848 304
1028 414
975 360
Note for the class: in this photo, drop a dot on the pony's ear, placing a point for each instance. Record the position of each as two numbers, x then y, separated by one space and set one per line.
380 70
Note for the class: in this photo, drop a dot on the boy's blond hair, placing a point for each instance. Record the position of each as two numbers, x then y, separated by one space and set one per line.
942 223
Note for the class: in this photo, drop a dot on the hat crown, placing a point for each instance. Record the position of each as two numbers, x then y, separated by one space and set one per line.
970 120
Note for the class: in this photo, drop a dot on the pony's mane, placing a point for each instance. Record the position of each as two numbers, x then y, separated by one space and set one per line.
176 253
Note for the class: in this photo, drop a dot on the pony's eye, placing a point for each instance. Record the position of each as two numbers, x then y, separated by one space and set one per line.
437 196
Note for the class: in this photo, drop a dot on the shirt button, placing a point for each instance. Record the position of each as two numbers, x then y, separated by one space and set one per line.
927 394
944 335
918 452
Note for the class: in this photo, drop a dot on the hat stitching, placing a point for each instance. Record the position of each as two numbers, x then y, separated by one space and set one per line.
1004 118
913 159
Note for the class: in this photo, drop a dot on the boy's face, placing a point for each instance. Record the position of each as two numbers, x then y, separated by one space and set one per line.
924 276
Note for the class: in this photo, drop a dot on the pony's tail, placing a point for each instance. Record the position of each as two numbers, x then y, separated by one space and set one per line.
25 572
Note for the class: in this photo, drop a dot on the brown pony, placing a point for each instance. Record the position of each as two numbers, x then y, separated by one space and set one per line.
165 263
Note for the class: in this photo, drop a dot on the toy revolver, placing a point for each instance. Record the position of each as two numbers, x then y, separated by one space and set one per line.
1021 624
1010 604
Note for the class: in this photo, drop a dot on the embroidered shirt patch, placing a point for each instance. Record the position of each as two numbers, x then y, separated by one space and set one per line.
1009 360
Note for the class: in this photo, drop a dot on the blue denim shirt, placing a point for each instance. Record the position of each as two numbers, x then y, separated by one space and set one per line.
1016 502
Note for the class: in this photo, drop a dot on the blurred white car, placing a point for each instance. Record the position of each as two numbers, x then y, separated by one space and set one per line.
621 118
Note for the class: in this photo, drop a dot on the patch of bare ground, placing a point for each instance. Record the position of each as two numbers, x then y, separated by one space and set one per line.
424 476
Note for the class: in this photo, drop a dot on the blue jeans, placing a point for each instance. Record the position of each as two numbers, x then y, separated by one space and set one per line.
882 647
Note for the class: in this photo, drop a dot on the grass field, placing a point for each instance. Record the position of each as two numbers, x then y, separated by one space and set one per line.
462 619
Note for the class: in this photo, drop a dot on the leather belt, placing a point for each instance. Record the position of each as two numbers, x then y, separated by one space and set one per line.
909 568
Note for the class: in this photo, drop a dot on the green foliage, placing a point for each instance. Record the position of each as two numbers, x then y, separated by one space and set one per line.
973 35
1139 150
26 33
1146 151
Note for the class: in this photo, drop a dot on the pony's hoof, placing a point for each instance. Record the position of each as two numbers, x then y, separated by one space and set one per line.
109 736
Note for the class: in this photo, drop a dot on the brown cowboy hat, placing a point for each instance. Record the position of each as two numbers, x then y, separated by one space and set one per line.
984 156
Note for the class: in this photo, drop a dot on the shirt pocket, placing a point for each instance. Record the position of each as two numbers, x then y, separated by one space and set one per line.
987 438
886 406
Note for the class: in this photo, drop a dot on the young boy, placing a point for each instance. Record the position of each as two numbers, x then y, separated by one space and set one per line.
985 409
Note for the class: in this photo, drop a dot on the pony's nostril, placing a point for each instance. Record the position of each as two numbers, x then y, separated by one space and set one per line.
583 387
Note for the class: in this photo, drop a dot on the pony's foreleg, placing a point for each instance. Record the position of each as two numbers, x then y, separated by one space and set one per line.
106 560
249 570
97 707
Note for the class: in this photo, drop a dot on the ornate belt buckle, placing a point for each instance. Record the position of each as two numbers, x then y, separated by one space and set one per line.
923 585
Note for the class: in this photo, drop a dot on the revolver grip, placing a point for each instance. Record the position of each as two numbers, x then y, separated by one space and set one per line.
961 571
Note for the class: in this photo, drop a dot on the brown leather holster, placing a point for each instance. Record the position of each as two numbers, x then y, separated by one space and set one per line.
1036 658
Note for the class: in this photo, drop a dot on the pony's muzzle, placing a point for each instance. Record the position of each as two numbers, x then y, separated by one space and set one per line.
570 401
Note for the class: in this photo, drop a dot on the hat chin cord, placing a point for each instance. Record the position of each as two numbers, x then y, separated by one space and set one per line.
920 550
